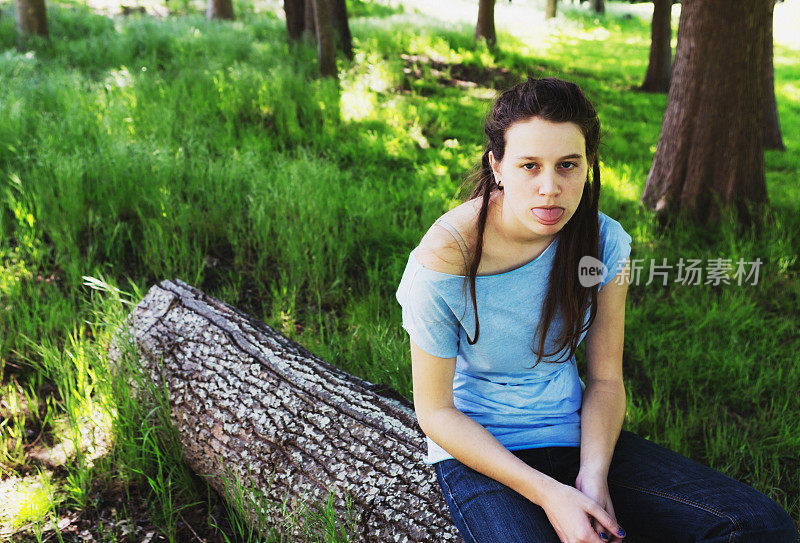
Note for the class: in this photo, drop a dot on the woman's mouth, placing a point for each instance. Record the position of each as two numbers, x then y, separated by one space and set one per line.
547 215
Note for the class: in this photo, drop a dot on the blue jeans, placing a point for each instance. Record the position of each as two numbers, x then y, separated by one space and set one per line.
657 494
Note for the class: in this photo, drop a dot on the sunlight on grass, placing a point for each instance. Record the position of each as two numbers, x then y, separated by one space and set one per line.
119 78
790 91
596 34
13 270
25 500
357 103
359 97
620 182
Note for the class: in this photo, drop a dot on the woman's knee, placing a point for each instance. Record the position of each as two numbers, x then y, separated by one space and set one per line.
759 518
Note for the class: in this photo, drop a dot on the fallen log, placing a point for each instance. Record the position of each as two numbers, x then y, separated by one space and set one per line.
250 403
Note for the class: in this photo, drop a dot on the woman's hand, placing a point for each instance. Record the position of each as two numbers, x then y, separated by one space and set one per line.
596 487
570 511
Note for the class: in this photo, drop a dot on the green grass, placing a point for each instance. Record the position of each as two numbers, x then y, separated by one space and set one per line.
137 149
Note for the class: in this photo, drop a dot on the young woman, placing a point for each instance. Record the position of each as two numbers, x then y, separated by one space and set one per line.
496 298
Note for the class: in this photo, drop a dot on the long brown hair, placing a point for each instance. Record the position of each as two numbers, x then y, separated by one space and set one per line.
553 100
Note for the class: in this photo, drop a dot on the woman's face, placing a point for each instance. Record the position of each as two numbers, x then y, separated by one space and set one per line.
542 173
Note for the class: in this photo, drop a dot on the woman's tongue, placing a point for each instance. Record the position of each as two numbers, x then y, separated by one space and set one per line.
548 215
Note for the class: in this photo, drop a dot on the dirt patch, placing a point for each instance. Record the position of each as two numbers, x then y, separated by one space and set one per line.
457 74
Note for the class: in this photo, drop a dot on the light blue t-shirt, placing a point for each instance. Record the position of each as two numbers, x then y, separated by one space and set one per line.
493 383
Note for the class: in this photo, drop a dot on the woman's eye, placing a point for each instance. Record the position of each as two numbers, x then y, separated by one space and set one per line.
567 165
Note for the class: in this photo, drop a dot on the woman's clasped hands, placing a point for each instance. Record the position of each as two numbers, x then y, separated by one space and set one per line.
583 513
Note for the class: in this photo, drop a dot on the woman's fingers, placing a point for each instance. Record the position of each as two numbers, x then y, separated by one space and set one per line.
598 529
604 524
604 533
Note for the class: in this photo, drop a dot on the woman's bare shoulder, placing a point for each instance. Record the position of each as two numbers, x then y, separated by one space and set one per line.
439 250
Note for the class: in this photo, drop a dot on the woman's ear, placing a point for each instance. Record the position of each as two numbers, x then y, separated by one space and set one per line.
495 166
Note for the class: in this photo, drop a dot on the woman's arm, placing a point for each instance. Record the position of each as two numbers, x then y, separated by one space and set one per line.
471 444
603 406
468 442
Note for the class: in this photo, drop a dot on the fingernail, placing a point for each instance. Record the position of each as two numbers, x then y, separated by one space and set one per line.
621 532
603 535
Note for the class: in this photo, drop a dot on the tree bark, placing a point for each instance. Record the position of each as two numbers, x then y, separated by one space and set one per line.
31 19
599 6
710 144
341 27
219 9
326 45
295 18
660 65
485 26
252 405
310 28
772 125
550 10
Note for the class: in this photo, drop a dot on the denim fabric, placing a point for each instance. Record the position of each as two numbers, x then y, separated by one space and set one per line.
657 494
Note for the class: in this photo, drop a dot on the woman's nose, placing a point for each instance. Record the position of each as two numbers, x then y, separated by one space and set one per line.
548 183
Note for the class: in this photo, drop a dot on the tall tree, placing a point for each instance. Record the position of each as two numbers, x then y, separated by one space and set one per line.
550 10
772 125
660 65
341 27
295 18
599 6
219 9
303 21
485 27
326 46
32 19
710 146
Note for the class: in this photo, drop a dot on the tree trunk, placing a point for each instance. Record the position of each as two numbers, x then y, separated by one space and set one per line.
485 27
599 6
310 28
710 144
550 11
326 45
660 65
31 19
772 126
341 27
252 405
219 9
295 18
